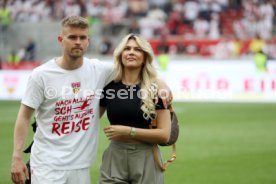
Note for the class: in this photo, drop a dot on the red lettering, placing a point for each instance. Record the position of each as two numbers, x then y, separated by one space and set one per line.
65 126
222 84
63 110
63 118
76 100
185 85
73 125
69 109
78 125
91 97
55 128
273 85
203 82
262 86
77 116
63 103
248 85
57 111
85 124
57 118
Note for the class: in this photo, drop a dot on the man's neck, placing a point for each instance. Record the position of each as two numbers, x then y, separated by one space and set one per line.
68 63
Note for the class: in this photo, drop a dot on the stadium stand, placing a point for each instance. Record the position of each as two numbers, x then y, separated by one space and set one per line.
187 27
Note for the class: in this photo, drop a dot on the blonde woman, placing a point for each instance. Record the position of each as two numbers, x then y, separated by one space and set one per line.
129 102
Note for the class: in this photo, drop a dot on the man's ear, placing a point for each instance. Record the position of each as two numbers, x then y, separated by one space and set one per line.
60 39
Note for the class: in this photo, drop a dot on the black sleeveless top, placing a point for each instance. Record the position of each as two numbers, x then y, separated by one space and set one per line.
123 105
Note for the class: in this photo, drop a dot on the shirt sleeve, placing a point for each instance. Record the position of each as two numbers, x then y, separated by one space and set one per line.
33 95
103 99
109 71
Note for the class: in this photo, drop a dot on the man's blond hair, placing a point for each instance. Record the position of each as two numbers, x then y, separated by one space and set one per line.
75 21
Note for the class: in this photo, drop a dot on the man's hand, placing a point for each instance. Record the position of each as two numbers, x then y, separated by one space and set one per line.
165 93
18 170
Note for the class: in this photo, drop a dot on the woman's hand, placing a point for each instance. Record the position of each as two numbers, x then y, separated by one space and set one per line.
164 92
114 132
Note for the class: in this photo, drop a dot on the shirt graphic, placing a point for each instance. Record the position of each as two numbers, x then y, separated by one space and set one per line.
73 115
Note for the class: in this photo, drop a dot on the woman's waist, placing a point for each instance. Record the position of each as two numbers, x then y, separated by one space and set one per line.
131 145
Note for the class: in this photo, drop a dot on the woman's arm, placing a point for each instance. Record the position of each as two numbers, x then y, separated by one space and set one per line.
158 135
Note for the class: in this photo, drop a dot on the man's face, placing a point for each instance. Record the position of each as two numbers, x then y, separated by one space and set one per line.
75 41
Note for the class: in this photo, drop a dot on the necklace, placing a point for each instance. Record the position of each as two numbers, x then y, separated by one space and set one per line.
128 85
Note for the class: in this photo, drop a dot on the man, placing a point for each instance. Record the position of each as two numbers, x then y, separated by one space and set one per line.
63 93
260 59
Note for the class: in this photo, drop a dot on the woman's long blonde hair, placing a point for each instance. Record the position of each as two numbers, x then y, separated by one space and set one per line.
147 75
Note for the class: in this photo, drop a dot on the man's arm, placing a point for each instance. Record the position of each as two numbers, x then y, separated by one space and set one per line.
164 92
102 111
18 167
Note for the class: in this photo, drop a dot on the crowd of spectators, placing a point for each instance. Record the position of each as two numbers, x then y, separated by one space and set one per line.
223 20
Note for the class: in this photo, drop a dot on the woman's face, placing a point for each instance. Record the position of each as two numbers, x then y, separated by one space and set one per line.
132 56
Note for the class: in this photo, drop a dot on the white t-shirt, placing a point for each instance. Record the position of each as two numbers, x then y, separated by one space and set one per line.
67 113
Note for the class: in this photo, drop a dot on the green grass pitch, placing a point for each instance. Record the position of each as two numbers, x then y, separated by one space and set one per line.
219 143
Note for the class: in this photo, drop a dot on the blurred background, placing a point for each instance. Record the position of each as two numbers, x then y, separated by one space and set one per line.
225 48
217 56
